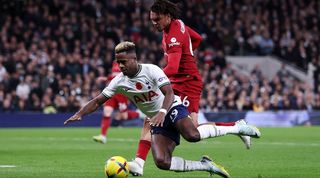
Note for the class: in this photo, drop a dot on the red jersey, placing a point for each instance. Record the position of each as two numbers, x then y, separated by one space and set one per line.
118 101
115 70
178 51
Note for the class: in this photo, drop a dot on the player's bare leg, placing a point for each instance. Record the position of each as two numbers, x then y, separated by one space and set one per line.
162 148
194 118
121 116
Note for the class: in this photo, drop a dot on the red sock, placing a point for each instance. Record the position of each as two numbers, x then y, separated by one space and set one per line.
143 149
225 123
132 114
105 124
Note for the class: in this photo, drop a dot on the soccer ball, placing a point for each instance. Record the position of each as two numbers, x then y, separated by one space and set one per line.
116 167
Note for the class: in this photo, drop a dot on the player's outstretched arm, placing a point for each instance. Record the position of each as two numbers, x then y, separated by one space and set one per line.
91 106
73 118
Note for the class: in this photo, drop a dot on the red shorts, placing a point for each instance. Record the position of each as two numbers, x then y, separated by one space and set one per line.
190 93
118 101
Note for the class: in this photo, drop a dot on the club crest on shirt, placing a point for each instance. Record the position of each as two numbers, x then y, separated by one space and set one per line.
148 85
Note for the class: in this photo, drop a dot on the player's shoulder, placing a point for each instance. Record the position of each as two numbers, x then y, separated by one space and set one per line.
149 67
119 77
178 26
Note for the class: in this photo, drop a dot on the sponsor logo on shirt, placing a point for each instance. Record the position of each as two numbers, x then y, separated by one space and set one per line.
174 42
144 97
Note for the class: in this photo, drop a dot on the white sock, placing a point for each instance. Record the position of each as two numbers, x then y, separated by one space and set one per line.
208 130
140 161
178 164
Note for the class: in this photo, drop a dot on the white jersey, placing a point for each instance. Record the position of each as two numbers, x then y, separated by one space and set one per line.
143 89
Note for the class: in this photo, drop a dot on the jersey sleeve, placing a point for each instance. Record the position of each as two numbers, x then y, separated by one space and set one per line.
174 44
173 61
195 38
110 90
115 70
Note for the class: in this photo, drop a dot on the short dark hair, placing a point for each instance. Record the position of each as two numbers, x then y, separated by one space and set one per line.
166 7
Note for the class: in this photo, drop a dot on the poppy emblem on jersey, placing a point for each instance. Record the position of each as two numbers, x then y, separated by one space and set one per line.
138 86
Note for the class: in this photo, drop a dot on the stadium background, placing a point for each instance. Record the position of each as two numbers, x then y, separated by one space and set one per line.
52 51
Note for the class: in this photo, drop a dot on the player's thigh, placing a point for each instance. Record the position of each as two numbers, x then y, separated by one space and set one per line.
122 115
188 130
162 148
194 117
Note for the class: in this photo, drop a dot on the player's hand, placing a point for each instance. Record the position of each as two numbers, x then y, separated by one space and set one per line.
157 120
73 118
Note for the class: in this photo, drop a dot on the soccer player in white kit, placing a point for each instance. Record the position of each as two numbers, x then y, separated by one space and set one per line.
150 90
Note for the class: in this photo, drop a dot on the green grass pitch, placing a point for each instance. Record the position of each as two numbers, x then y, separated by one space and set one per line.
70 152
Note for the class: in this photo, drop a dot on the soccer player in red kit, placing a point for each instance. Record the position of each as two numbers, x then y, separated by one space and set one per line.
119 102
178 42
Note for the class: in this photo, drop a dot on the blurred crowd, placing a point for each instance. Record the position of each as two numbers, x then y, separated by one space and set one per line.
52 51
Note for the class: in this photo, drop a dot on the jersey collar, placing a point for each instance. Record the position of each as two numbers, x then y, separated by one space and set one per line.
139 70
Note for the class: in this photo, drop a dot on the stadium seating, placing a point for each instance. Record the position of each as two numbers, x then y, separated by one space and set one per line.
51 53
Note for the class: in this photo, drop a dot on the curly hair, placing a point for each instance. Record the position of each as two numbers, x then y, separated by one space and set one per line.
166 7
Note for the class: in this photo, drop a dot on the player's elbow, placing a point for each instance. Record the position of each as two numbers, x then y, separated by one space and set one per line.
169 71
199 39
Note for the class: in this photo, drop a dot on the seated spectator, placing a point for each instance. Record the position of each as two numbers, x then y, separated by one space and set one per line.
65 51
266 44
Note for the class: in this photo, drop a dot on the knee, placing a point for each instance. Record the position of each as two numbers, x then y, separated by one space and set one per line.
123 115
192 136
163 163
